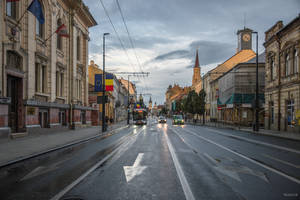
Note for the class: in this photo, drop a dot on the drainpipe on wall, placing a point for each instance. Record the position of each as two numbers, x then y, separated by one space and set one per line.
3 71
70 68
279 82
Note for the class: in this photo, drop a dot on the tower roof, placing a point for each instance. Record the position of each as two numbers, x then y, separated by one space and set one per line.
197 60
150 101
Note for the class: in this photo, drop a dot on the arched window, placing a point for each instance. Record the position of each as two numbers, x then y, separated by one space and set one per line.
272 68
287 65
296 61
78 48
11 9
59 38
39 28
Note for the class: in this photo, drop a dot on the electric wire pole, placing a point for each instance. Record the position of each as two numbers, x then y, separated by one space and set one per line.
137 74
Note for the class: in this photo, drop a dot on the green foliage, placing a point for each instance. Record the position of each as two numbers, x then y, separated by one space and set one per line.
195 103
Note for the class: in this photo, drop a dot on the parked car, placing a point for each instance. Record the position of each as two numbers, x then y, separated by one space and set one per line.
162 119
178 119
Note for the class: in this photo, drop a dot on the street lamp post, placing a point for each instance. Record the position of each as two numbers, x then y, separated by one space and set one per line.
103 86
256 127
128 104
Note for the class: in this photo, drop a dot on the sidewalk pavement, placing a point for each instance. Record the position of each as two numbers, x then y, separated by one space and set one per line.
20 148
280 134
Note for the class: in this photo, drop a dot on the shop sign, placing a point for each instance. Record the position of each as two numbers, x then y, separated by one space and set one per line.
30 110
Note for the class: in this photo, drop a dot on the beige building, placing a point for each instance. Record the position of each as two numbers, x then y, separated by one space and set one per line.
282 90
44 76
211 88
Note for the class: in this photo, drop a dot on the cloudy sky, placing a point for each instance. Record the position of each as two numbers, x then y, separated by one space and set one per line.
166 34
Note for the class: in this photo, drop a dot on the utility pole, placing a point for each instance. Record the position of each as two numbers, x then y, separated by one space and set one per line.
103 87
256 127
137 74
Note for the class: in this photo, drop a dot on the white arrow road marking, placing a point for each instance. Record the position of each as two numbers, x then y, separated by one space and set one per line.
296 180
282 161
136 169
42 170
232 171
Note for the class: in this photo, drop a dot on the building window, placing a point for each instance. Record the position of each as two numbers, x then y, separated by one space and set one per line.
61 84
57 84
39 29
59 38
78 48
290 112
272 112
79 89
296 62
273 70
287 65
40 78
11 9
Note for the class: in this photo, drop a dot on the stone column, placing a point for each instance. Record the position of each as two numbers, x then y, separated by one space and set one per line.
31 57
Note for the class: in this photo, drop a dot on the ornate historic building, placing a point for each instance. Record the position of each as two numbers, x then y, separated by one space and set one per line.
43 75
282 90
150 105
244 53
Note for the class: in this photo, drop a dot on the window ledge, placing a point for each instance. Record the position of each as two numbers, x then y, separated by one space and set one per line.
42 94
62 98
60 53
40 40
12 20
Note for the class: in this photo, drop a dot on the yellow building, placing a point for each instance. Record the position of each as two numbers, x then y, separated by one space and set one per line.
244 54
109 107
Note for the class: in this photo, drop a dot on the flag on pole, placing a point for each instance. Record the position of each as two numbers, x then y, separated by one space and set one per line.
36 9
62 31
98 83
109 82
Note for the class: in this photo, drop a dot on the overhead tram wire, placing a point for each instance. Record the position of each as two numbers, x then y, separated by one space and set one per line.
130 39
106 12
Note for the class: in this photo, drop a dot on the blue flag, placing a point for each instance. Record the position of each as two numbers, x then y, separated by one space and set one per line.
98 83
36 9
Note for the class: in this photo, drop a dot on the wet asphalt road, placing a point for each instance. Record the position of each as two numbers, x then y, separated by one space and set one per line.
162 161
186 162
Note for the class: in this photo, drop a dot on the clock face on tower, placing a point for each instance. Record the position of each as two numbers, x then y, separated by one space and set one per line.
246 37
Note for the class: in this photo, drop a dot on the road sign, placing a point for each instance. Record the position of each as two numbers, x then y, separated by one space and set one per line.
99 99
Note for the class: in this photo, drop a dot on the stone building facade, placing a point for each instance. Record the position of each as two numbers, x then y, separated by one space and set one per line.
44 76
282 90
237 90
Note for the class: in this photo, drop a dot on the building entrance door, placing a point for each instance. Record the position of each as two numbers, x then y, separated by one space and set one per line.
13 91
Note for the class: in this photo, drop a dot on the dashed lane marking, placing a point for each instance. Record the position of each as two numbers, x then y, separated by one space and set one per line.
247 158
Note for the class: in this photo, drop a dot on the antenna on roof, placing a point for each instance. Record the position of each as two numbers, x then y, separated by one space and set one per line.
244 20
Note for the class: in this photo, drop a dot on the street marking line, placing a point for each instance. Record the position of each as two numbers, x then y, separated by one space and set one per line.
136 169
255 141
184 183
247 158
83 176
282 161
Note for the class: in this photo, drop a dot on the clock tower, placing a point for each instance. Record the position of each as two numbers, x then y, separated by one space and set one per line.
244 39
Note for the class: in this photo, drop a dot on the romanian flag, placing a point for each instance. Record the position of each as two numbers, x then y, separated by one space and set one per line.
109 82
62 31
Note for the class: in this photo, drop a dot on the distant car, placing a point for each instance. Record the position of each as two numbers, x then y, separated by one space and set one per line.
178 120
162 119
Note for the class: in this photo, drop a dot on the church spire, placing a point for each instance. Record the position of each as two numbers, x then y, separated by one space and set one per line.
197 71
197 60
